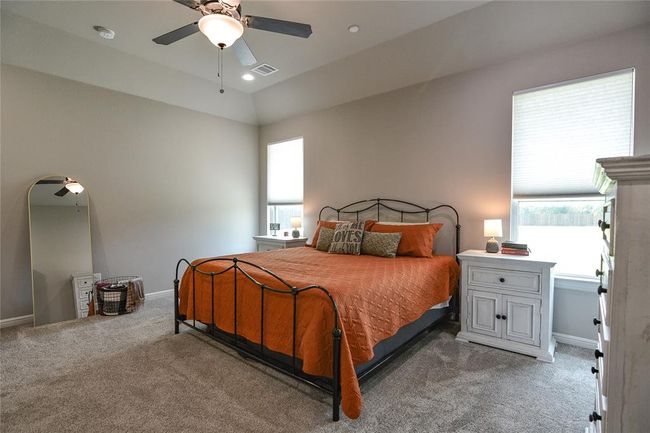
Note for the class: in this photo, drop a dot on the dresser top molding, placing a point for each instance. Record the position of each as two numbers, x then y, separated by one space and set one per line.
621 169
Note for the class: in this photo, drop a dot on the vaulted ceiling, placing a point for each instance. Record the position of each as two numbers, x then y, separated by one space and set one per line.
400 43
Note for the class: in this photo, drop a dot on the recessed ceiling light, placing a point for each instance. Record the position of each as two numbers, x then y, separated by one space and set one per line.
354 28
248 77
104 32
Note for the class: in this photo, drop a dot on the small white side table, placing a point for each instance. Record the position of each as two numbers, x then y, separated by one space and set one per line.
268 243
507 302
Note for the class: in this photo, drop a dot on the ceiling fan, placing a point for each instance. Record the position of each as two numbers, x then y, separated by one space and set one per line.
69 185
223 24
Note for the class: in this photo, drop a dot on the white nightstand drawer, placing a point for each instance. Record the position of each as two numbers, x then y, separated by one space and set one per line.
267 247
504 279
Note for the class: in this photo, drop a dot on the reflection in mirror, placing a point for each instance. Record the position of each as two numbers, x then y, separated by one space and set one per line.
59 230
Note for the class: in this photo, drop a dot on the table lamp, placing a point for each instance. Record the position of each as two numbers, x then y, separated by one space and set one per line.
492 229
296 222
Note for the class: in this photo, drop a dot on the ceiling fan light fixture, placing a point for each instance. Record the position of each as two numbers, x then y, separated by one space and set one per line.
74 187
221 30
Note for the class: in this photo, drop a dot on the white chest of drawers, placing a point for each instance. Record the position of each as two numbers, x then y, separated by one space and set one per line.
507 302
82 287
622 360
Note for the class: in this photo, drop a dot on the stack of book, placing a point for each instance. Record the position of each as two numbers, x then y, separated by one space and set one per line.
515 248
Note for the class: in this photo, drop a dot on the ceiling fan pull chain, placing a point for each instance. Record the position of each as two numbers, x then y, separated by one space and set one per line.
220 67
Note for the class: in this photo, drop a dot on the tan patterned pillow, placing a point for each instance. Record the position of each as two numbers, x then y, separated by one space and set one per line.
325 239
347 238
380 244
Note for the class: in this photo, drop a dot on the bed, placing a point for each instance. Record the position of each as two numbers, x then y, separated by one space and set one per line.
328 320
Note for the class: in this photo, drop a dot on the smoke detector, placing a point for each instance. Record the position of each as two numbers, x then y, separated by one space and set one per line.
104 32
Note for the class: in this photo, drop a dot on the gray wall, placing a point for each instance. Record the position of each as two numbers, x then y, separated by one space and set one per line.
449 140
60 239
164 182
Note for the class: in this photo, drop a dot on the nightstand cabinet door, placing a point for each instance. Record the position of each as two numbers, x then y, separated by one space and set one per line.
522 319
484 309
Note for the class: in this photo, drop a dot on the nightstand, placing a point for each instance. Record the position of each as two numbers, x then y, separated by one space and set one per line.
268 243
507 302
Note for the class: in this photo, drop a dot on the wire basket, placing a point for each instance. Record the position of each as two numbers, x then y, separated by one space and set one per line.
112 295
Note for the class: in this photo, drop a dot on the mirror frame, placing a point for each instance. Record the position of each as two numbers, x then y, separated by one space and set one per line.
31 255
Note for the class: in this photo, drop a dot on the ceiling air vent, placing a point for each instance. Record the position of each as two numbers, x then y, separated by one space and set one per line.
264 69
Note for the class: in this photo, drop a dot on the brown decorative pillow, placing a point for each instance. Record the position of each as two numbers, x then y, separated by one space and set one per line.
321 224
347 238
417 239
325 239
332 225
380 244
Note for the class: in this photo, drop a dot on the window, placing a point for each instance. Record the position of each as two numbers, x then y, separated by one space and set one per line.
284 182
558 132
565 230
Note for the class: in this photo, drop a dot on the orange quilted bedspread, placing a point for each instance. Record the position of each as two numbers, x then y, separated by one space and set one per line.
375 297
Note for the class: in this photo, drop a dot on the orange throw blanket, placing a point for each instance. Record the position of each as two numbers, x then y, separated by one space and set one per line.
375 297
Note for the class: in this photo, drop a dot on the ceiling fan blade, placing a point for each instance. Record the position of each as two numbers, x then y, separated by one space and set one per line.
192 4
244 53
177 34
277 26
63 191
50 182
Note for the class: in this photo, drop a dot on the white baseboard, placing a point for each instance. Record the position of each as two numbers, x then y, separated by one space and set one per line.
572 340
29 319
160 294
16 321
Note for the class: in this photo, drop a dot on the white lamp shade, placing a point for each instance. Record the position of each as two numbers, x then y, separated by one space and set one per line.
296 222
221 29
492 228
74 187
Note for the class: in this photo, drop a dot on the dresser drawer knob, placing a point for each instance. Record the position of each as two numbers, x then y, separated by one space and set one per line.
599 273
594 370
502 280
603 225
598 354
597 322
594 417
601 290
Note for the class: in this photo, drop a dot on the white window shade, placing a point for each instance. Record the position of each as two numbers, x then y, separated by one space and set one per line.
285 173
559 131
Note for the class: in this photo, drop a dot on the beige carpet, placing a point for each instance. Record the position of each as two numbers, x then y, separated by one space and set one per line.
131 374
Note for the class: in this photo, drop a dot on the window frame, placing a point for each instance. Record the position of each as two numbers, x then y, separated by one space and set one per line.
276 205
268 210
302 139
565 281
584 283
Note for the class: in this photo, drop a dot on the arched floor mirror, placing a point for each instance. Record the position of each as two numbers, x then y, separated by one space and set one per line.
60 246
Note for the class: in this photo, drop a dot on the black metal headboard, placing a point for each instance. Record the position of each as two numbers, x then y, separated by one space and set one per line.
363 206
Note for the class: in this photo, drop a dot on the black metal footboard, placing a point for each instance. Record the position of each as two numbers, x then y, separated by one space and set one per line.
259 352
